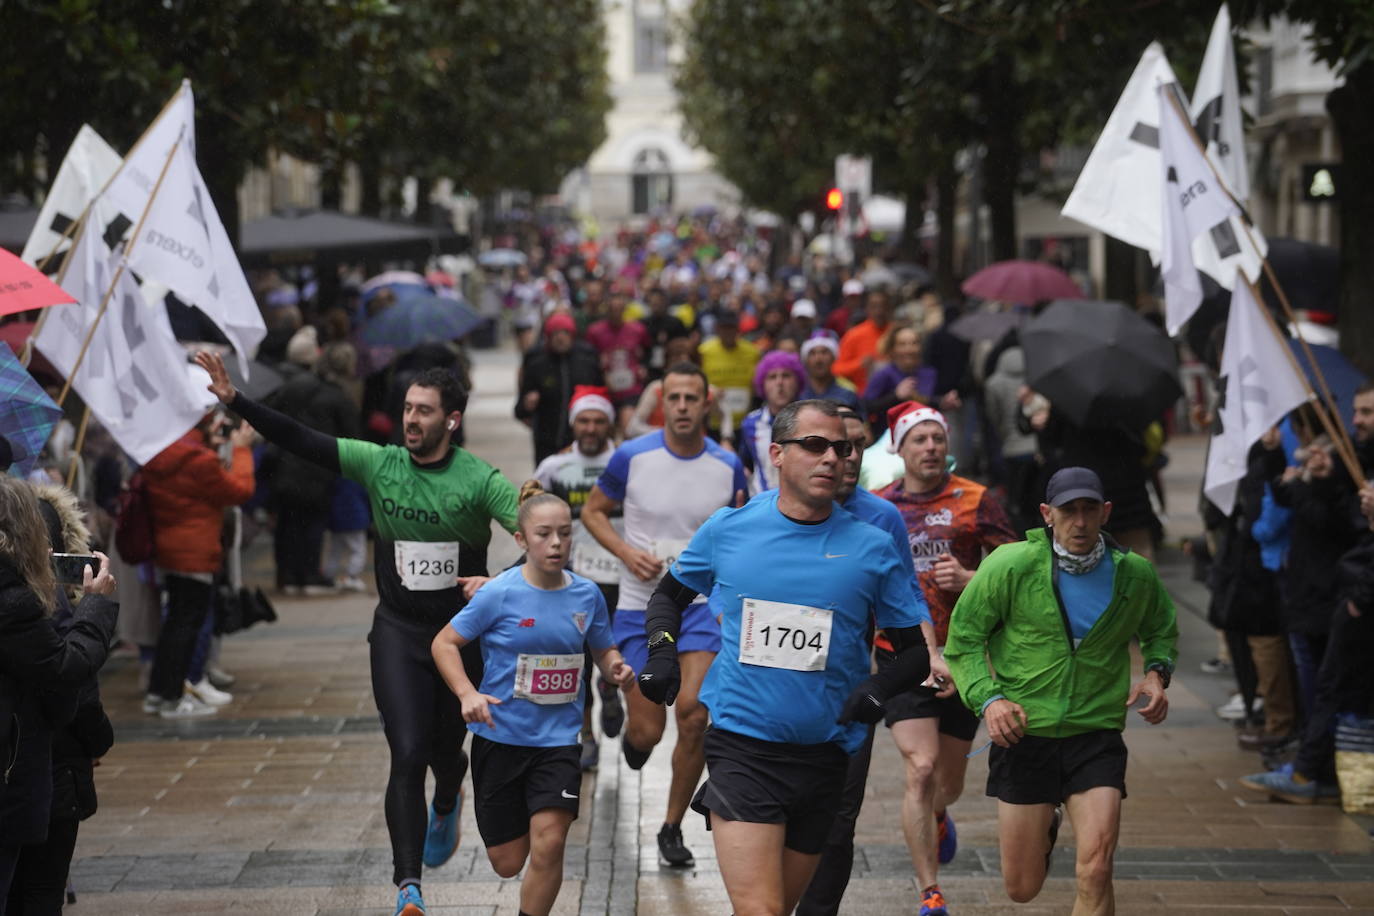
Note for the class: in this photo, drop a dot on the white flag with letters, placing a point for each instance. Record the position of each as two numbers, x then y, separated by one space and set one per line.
89 163
1259 385
1194 202
1216 108
1119 191
134 375
183 244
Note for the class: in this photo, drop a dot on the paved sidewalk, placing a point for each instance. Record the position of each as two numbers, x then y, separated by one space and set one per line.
276 804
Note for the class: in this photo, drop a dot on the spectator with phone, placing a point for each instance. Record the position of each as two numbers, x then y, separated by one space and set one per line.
37 663
188 489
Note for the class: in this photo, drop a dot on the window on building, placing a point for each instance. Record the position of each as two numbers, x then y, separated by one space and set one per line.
650 36
651 182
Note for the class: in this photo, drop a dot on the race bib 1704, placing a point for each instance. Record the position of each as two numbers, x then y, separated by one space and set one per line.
427 566
548 679
777 635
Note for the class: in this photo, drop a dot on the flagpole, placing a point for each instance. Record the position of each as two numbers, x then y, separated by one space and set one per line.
1340 438
76 228
114 282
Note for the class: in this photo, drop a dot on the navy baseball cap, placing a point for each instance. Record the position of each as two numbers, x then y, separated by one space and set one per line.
1069 484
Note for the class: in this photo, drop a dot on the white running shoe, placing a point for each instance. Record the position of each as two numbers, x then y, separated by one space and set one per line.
219 677
208 693
188 707
152 704
1234 709
352 584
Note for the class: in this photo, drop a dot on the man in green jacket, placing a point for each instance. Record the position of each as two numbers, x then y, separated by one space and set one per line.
1039 645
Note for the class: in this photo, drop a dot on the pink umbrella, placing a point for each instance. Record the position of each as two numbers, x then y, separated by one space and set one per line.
23 288
1026 282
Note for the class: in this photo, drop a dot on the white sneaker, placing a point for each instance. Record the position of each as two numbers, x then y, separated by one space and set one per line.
352 584
1234 709
152 704
188 707
219 677
208 693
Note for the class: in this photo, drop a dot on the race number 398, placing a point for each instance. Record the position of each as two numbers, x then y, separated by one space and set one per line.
778 635
548 679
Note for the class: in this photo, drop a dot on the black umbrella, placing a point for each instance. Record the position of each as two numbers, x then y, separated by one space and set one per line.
1100 364
984 325
262 380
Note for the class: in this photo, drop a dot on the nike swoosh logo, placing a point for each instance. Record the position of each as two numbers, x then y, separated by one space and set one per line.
835 556
566 795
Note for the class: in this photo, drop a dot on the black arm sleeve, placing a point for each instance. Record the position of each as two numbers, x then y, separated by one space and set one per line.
907 667
666 605
297 438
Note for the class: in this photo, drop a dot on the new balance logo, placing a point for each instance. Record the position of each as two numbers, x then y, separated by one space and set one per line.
527 622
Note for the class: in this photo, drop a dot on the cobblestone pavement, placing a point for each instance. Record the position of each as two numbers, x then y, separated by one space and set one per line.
276 804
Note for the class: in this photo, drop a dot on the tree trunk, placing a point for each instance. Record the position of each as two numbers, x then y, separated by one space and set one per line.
222 171
1354 123
909 242
371 203
424 207
1002 162
1119 273
331 184
946 197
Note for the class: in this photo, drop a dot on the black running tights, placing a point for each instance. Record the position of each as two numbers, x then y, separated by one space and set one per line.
424 728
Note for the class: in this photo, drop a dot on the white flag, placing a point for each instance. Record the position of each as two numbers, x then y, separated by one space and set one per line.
1259 386
1216 108
134 375
1194 202
183 244
89 163
1119 190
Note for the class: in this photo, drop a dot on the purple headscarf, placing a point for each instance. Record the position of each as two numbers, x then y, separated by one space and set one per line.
779 359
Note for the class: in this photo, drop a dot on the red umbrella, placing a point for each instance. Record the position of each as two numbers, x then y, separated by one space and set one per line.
23 288
1026 282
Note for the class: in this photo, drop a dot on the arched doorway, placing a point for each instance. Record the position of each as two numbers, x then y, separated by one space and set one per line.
651 182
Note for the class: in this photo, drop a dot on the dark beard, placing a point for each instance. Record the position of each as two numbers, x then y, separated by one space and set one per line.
429 442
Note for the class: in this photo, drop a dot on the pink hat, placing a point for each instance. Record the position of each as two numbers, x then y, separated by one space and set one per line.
904 417
560 321
590 397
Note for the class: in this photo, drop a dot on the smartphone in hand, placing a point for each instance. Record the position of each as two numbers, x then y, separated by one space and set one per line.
68 567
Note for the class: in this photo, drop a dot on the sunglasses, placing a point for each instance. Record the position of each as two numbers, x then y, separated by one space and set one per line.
817 445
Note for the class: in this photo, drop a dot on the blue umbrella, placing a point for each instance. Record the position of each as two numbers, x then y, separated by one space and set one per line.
27 414
501 257
1341 377
422 319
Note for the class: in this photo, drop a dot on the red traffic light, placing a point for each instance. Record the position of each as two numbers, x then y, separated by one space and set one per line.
834 199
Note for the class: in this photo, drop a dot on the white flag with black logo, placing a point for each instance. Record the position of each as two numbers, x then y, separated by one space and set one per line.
182 243
1119 191
1216 108
1194 202
1259 386
89 163
133 376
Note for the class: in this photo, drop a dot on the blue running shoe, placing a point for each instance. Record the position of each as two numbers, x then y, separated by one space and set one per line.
409 902
441 839
933 902
949 839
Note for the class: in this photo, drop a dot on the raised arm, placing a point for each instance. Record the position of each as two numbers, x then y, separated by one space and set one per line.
277 428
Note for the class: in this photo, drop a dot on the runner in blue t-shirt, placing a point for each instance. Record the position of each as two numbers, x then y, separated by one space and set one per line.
797 581
533 621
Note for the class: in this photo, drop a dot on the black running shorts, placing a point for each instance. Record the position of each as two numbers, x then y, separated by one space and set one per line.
773 782
1038 770
956 719
511 782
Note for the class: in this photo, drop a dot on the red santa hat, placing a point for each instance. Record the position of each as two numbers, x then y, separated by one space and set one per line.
590 397
904 417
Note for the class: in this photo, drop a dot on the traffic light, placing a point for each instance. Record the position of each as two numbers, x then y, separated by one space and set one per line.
834 199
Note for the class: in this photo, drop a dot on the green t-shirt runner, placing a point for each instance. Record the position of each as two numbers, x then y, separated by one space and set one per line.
419 510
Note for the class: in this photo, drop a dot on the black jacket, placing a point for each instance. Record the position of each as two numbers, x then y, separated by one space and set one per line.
1245 595
554 376
1324 528
40 670
320 405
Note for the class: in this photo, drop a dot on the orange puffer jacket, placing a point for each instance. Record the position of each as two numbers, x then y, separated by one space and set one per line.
188 490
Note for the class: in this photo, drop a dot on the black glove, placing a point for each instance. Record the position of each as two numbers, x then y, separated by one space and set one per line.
662 677
864 705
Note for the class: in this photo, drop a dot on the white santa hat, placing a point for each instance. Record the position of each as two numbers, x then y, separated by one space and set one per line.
590 397
904 417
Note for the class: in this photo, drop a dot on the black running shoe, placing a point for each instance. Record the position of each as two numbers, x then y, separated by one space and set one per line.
612 712
671 851
633 756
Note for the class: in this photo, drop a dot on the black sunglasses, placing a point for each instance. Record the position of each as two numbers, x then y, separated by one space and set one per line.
817 445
